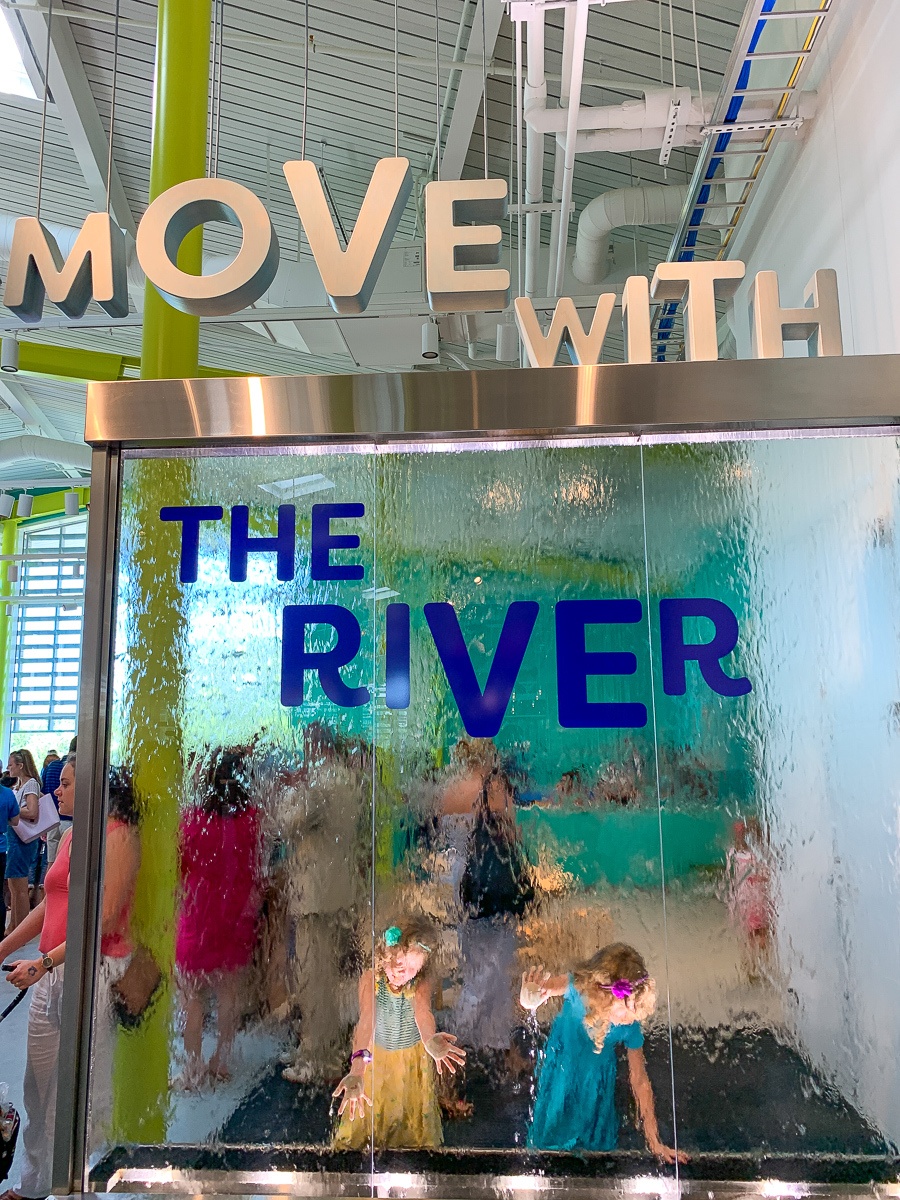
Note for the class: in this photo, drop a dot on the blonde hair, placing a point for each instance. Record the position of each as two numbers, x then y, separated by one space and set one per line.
28 765
594 979
410 933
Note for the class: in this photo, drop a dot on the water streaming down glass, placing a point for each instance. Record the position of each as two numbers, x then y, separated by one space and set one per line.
744 846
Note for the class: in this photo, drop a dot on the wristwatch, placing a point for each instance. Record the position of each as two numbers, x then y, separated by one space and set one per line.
46 962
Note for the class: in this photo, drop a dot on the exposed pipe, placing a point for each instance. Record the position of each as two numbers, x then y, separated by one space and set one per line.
652 204
535 97
28 447
580 41
631 114
565 82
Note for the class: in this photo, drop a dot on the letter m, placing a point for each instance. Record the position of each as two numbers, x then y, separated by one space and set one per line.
96 269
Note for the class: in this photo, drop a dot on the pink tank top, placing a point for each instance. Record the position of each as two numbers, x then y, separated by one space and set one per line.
117 943
56 898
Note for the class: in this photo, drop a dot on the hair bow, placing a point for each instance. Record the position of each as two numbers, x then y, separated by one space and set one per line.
623 988
392 936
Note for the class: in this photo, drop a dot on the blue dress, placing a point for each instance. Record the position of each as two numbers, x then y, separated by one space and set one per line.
575 1104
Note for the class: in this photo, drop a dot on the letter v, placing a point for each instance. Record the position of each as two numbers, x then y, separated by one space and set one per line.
350 275
482 713
566 330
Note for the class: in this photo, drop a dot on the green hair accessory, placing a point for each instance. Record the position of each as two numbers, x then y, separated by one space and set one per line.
392 936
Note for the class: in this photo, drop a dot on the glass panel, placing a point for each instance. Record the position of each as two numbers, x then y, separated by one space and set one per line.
505 719
247 792
514 838
780 803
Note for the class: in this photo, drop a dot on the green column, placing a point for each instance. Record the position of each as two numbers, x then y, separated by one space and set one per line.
171 339
153 600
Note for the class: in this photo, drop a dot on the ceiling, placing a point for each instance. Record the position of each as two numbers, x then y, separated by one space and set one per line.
350 123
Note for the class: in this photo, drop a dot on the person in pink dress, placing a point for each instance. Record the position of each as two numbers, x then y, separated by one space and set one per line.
219 912
748 892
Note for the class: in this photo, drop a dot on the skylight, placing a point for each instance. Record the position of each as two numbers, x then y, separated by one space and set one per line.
14 79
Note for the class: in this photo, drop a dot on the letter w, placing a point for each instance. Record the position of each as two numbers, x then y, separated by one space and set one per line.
566 330
95 269
482 712
350 275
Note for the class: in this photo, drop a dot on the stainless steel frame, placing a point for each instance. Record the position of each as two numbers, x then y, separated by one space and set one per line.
687 400
87 838
690 396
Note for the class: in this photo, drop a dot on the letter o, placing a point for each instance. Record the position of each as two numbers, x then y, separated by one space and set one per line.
172 216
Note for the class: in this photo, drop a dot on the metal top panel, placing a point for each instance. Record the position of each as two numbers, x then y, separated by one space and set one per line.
799 393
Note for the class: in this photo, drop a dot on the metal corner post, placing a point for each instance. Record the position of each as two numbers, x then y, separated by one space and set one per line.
87 841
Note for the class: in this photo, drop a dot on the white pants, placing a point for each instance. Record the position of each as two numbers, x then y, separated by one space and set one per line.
41 1073
102 1053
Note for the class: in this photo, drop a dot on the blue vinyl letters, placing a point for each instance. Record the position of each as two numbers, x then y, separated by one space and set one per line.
190 516
574 664
243 544
396 656
482 713
324 541
676 652
296 660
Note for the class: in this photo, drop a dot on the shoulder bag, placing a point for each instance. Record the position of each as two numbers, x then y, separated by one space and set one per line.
47 819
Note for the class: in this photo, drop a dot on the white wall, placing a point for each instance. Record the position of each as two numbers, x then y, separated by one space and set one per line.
830 197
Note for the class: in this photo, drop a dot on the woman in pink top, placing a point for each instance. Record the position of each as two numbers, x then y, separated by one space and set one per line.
218 918
45 975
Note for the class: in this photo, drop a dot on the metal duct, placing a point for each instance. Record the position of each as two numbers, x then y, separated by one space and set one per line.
653 204
28 447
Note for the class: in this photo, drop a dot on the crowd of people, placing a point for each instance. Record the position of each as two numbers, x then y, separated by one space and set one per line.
274 915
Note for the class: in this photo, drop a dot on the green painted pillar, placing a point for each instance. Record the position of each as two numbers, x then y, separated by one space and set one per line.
153 599
171 339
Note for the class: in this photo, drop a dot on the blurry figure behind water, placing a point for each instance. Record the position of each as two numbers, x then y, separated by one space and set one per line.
494 891
326 823
218 918
749 898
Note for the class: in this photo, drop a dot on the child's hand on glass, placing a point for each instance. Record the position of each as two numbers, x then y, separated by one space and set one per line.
534 988
354 1099
666 1153
446 1054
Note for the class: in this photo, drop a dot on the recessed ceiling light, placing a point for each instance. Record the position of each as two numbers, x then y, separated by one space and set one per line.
380 593
303 485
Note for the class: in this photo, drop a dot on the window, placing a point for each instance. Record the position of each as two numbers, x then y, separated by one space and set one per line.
46 629
15 81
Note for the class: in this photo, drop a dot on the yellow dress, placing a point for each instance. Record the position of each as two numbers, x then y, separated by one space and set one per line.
400 1080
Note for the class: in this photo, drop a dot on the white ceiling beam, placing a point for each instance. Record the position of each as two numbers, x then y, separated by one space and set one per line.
74 100
489 14
22 404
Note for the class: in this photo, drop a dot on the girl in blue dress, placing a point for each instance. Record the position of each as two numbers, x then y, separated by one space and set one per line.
604 1002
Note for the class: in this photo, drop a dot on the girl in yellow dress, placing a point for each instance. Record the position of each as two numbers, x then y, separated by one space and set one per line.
394 1045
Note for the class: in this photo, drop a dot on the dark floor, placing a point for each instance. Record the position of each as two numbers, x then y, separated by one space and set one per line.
735 1092
748 1108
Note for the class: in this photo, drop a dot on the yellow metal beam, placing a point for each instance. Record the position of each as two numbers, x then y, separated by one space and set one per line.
65 362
